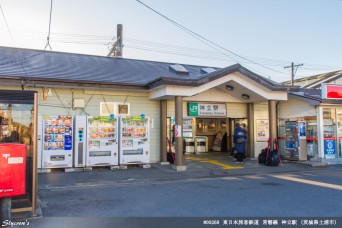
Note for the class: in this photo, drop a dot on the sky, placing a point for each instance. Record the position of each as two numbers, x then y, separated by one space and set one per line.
262 35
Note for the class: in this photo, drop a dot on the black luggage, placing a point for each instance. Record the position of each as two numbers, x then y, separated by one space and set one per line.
270 158
273 158
171 157
262 156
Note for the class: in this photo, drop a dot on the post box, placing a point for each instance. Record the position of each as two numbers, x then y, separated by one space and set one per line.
12 170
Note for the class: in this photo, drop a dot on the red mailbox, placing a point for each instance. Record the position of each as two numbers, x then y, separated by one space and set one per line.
12 170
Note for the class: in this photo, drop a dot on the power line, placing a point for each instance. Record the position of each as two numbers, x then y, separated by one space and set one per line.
16 50
196 35
293 70
90 39
48 37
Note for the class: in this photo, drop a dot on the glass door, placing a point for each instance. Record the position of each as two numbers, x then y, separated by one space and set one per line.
339 133
329 133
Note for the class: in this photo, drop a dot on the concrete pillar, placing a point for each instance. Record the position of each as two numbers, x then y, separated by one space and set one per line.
179 140
5 209
230 138
250 130
272 116
163 136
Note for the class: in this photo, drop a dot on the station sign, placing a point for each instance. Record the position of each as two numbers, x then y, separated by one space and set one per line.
199 109
330 91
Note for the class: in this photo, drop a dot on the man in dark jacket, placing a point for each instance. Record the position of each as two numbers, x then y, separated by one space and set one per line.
240 139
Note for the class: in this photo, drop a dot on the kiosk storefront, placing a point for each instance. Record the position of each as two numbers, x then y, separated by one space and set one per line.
18 118
310 125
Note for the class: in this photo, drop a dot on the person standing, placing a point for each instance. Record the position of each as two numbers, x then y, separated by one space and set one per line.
240 139
232 152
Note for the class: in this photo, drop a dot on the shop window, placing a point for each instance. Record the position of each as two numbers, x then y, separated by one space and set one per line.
206 126
329 132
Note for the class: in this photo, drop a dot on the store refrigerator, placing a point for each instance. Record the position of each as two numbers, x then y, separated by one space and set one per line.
134 140
295 140
57 136
102 140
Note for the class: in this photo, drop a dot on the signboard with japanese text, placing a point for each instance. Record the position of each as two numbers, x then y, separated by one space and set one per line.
199 109
329 148
331 91
262 130
178 131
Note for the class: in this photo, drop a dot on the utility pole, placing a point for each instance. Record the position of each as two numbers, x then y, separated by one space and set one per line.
293 70
116 50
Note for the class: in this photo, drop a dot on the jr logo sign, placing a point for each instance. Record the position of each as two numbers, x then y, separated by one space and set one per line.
193 109
196 109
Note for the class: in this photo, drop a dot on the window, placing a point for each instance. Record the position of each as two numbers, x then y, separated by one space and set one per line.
179 69
108 108
207 70
123 109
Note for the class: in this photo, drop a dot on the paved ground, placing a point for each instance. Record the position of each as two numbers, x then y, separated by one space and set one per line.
102 190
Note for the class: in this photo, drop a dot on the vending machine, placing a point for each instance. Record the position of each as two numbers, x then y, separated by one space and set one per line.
295 140
80 141
134 140
102 140
57 139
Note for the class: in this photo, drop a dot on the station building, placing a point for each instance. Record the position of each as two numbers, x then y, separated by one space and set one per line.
204 102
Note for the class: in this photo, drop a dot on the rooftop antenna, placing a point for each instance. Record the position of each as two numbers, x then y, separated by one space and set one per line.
48 37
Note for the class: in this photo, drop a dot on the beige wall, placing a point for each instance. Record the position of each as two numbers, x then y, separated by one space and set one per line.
294 108
260 113
60 103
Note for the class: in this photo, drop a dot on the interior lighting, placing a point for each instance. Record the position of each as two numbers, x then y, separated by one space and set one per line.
245 96
229 88
49 92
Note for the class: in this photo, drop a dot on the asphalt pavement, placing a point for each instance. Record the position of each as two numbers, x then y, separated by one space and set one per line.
198 167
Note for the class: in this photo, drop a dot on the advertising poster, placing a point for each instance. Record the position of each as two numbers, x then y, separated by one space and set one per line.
178 130
329 148
302 129
262 130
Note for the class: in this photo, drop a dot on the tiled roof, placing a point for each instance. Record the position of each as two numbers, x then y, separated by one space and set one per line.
86 68
316 80
48 66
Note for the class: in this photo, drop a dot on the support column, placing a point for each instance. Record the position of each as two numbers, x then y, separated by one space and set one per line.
179 140
250 130
272 116
163 126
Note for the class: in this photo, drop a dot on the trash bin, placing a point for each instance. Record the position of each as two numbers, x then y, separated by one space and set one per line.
201 144
189 145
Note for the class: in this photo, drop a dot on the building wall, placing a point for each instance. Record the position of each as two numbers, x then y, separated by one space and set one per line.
294 108
236 110
260 113
60 103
